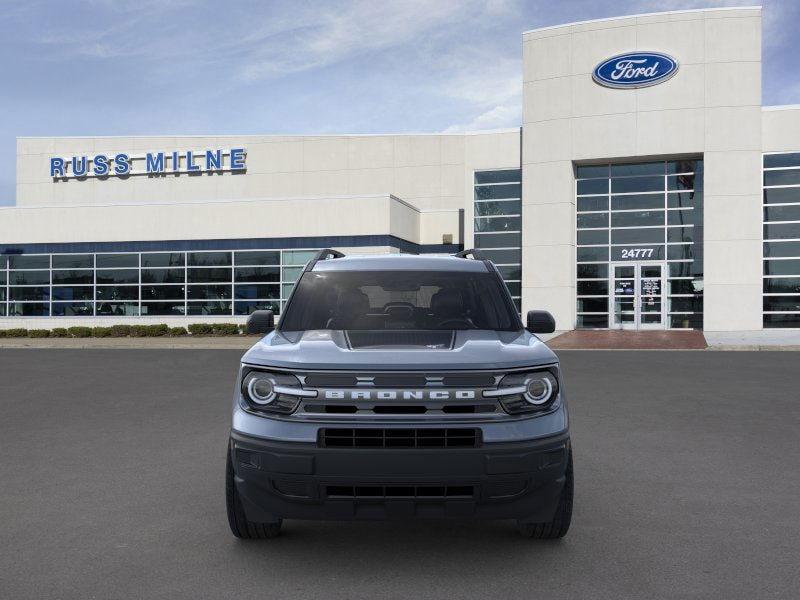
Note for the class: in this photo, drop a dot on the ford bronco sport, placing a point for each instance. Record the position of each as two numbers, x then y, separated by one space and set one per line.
399 387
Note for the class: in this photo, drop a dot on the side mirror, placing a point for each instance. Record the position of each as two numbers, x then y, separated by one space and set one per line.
261 321
540 321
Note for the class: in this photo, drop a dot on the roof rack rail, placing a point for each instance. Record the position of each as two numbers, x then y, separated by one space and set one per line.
322 255
474 252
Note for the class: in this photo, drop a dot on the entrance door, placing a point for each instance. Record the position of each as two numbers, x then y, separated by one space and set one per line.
637 295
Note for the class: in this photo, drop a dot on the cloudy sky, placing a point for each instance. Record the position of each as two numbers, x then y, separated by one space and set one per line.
104 67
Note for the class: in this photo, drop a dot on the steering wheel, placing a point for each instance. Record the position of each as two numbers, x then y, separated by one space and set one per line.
467 322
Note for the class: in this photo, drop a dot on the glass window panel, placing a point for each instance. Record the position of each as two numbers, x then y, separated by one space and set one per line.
782 213
497 240
162 292
683 217
587 171
73 277
246 308
637 219
263 257
298 257
498 224
680 252
29 293
2 277
596 203
117 276
592 236
29 277
81 292
597 305
117 309
117 292
73 309
257 274
782 303
782 195
514 287
789 159
501 257
637 202
116 261
788 177
589 254
164 259
592 321
292 273
686 321
500 207
209 308
681 269
685 199
637 236
637 184
73 261
781 249
208 259
256 292
209 275
493 192
683 182
685 286
782 285
2 294
162 309
775 321
3 262
498 176
512 273
592 186
3 307
693 304
28 309
592 271
680 234
782 231
29 261
782 267
163 276
684 166
286 289
209 292
592 288
648 168
593 220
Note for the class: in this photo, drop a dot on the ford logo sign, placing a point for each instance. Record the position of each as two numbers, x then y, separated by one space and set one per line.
635 70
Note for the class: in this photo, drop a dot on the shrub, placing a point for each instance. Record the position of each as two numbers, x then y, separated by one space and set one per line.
201 329
59 332
16 332
138 331
80 332
157 330
38 333
101 332
177 331
120 330
224 329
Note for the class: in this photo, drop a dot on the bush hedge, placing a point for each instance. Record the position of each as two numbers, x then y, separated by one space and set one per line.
162 329
201 329
177 331
16 332
59 332
80 332
38 333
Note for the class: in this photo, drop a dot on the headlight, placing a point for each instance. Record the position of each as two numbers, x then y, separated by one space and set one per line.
272 392
527 392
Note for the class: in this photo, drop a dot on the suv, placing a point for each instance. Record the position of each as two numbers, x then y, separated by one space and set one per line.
397 387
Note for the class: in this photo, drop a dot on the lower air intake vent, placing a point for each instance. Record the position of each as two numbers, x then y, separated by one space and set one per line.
374 340
431 492
399 438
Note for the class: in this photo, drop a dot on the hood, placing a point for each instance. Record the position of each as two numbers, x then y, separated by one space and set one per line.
333 349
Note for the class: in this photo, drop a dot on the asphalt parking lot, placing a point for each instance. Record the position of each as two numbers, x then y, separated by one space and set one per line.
111 486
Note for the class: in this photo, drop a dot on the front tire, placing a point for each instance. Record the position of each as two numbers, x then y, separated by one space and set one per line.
559 525
241 527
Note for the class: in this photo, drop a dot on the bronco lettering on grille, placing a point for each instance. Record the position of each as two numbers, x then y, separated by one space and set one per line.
399 395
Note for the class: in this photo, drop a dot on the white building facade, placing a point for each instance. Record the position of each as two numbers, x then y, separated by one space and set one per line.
647 188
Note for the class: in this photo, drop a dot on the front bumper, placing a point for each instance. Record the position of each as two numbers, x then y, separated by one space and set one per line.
513 480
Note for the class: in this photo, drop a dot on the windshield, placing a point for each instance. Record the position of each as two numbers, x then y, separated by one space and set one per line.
418 300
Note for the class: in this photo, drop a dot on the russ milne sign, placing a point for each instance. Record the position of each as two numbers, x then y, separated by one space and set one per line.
152 163
635 70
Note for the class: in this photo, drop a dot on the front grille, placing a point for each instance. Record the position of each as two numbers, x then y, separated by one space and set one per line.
429 492
400 409
399 438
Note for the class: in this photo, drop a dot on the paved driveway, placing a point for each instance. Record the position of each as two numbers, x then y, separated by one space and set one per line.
111 486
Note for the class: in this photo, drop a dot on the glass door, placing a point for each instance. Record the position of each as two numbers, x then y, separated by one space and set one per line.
637 295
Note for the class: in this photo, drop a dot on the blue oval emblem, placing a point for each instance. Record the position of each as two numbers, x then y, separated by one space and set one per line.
635 70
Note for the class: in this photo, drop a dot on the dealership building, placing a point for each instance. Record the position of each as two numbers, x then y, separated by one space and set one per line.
646 188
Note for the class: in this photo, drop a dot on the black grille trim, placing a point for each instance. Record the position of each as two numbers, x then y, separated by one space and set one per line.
399 438
400 490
